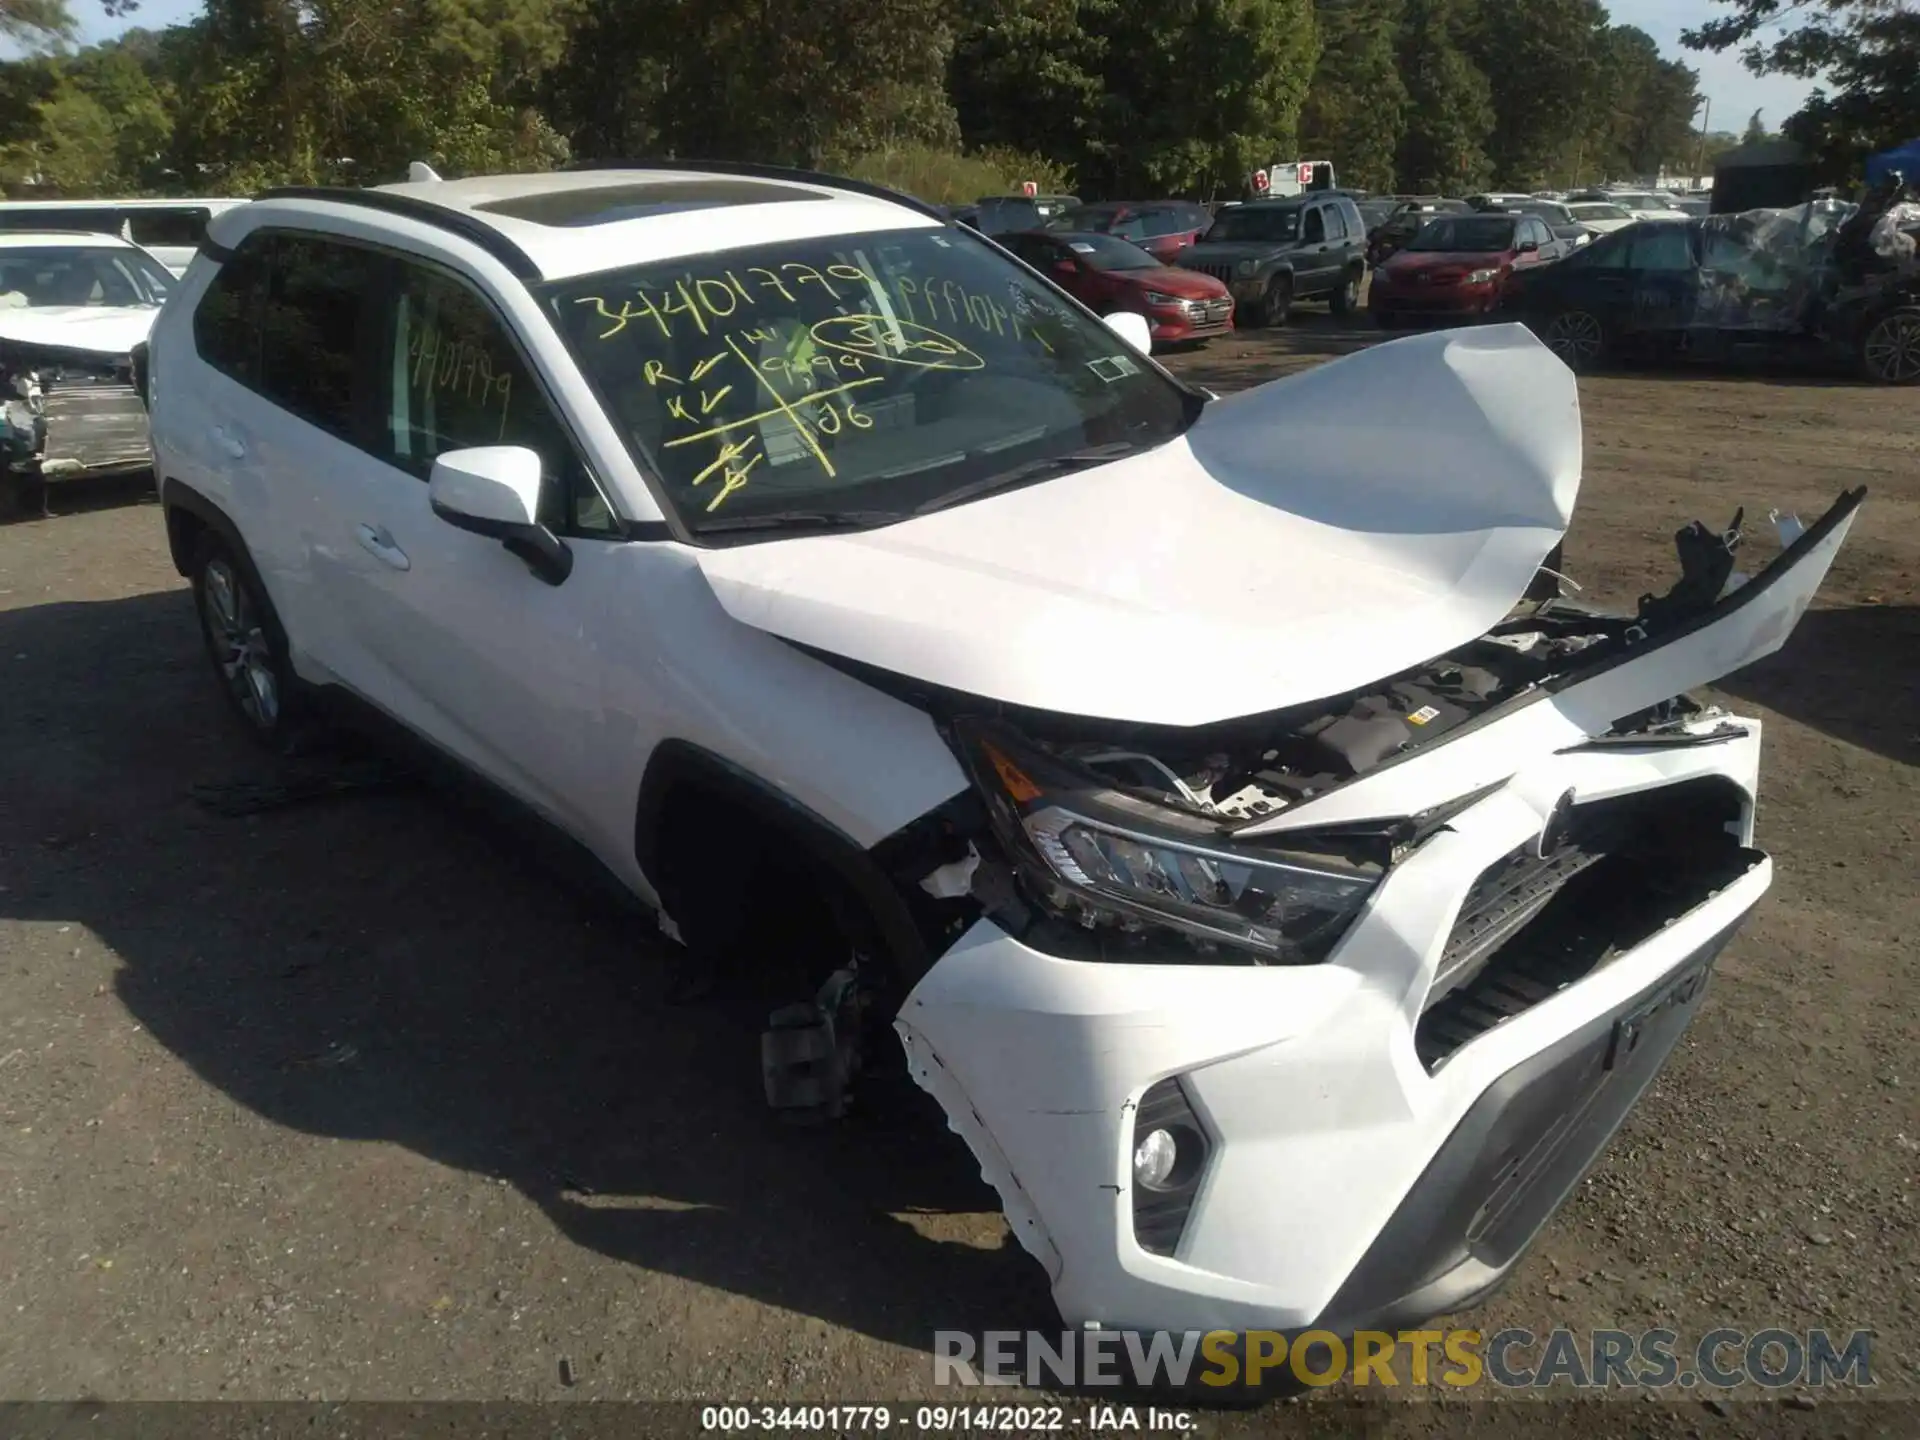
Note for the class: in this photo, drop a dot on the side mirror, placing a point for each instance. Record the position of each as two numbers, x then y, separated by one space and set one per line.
1066 269
494 490
1132 328
1528 247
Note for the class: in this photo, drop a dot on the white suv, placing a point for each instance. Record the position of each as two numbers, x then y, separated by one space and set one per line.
1282 889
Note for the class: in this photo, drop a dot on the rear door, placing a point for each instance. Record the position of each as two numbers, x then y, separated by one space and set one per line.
1665 280
1315 264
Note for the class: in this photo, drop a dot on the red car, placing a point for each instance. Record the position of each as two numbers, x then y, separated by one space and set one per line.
1106 275
1163 228
1457 267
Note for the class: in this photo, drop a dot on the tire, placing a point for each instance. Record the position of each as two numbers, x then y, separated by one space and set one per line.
246 645
25 498
1577 337
1275 304
1890 348
1346 297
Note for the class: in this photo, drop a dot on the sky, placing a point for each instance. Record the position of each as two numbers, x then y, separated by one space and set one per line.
1732 93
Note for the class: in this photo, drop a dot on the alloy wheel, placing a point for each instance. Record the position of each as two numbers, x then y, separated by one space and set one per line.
1576 337
240 643
1892 349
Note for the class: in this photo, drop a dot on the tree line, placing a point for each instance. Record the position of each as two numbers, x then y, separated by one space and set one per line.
953 97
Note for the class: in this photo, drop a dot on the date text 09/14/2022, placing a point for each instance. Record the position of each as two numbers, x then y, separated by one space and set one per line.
939 1419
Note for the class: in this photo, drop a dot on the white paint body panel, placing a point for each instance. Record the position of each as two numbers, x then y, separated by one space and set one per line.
1301 540
1307 1077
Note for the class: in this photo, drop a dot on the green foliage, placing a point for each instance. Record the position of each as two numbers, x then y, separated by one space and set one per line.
1356 109
1756 129
1450 116
1866 51
948 178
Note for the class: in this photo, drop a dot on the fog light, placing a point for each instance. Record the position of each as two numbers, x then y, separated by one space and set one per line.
1170 1148
1154 1159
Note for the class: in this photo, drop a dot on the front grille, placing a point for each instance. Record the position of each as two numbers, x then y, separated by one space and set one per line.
1209 312
1534 924
1222 273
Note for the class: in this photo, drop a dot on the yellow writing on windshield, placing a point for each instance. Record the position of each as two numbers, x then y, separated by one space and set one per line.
894 342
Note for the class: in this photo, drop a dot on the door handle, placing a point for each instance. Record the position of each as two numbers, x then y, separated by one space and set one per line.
230 444
379 544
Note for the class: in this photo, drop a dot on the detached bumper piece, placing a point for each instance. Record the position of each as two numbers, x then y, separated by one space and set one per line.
1515 1157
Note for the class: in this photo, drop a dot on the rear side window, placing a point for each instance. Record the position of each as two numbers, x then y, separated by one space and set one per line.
285 316
1661 249
311 351
226 324
1336 223
1316 226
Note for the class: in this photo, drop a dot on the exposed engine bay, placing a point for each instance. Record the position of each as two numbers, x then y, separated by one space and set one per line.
1123 832
66 414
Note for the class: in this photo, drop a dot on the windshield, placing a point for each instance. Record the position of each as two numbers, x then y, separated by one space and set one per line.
1478 234
1254 222
1545 210
1599 212
855 379
1107 252
79 275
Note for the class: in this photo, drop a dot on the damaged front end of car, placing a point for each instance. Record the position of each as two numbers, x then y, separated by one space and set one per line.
68 414
1419 947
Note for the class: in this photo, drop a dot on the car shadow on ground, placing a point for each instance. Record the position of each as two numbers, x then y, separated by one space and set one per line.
1851 673
391 966
78 497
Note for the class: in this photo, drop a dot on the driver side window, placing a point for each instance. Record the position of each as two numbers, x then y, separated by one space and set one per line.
455 380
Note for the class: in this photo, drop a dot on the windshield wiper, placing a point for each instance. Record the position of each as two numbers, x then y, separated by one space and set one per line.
802 520
1032 470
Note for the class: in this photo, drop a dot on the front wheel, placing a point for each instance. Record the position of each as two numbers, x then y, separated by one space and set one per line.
1346 299
245 643
1577 337
1275 303
1890 349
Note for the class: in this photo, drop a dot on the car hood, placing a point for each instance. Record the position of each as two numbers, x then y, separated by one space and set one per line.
96 329
1231 252
1172 280
1299 541
1448 260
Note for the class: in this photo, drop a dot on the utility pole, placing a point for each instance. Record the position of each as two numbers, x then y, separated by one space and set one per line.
1700 154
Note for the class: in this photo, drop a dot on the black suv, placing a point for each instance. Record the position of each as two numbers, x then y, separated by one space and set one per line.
1271 253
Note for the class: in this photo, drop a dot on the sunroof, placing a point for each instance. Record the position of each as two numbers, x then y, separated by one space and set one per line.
604 204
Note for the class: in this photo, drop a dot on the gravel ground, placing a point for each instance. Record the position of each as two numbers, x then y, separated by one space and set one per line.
355 1101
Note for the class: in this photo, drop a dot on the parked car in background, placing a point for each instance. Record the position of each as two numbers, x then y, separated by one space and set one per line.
169 230
1108 274
1004 214
73 307
1405 222
1270 253
1643 205
1376 211
1458 267
1600 217
1559 219
1685 288
1497 200
1163 228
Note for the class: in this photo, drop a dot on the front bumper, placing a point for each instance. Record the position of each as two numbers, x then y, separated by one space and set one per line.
1352 1181
1435 301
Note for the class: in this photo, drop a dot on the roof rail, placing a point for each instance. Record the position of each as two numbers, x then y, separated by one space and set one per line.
412 207
770 172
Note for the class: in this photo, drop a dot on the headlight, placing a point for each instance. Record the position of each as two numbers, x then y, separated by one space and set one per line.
1483 277
1106 856
1247 267
1154 297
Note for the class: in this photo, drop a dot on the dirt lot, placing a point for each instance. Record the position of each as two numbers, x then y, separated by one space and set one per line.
353 1101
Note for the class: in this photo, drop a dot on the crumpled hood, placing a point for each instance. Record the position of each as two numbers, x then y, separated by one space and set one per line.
96 329
1301 540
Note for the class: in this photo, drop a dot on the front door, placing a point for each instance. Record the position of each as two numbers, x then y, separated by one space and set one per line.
471 648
